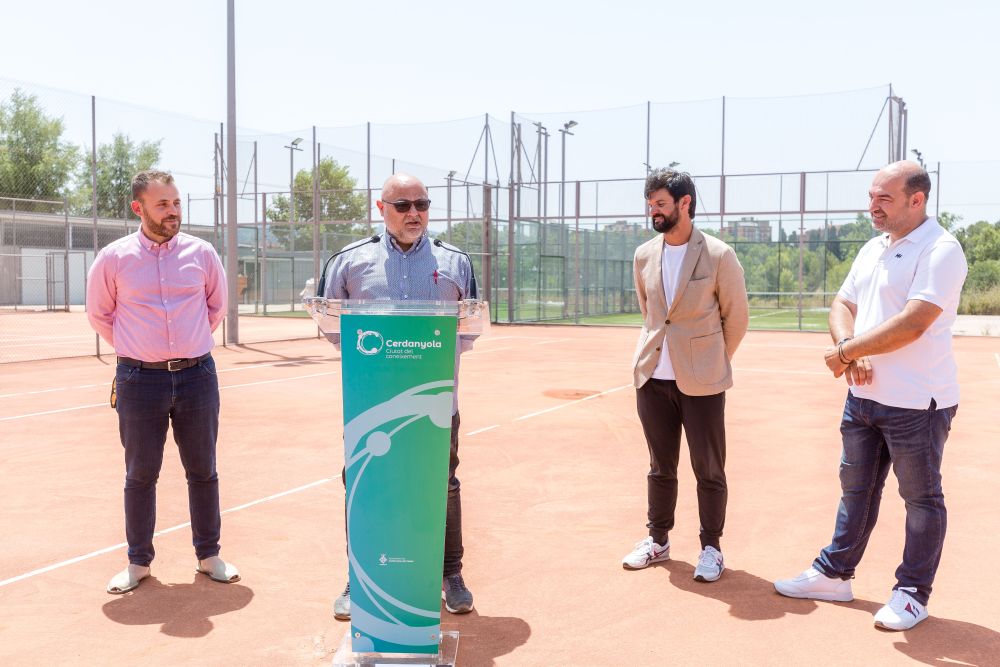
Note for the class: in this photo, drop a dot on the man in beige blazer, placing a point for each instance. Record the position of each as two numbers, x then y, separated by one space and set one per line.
693 299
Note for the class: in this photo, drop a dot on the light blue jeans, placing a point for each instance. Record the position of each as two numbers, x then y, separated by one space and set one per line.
875 437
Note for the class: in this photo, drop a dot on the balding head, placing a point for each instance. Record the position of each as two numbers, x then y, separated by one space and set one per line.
898 198
401 182
914 177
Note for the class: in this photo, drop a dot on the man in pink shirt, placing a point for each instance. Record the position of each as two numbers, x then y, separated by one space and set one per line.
156 296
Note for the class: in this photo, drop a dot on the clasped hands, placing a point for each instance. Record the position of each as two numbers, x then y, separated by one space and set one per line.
857 372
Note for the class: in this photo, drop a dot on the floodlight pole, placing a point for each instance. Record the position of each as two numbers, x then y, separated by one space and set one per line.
232 256
564 130
292 147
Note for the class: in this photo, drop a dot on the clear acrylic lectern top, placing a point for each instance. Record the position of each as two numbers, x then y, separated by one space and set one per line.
473 315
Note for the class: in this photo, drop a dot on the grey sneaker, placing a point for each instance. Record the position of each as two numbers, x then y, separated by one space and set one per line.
710 565
342 605
457 598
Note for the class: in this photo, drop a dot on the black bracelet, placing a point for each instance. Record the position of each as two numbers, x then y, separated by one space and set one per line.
840 353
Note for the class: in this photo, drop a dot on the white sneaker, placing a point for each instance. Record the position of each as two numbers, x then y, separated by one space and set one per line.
342 605
645 553
902 612
815 585
710 565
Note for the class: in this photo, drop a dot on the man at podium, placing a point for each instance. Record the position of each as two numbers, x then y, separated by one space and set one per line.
404 264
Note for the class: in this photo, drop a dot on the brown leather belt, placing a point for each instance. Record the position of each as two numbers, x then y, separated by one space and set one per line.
171 365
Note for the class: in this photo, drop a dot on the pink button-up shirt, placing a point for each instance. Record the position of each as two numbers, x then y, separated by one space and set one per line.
157 301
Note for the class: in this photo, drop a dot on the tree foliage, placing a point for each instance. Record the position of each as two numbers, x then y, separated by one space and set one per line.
981 241
35 163
117 163
344 211
338 201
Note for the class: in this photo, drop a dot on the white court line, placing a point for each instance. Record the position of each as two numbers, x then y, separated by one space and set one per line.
777 312
88 386
53 412
297 377
517 337
482 430
780 372
97 405
46 391
783 345
499 349
99 552
495 349
996 355
37 391
564 405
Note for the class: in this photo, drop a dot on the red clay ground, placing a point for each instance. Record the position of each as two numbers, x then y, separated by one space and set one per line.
552 502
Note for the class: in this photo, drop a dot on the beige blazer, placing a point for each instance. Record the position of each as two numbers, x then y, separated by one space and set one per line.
707 321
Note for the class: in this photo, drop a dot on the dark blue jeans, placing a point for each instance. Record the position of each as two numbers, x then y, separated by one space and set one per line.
875 437
187 400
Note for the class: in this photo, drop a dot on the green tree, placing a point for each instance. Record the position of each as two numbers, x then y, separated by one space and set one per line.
338 203
983 275
949 221
35 163
980 241
117 163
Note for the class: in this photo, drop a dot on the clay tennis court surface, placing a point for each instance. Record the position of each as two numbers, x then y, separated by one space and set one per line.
553 494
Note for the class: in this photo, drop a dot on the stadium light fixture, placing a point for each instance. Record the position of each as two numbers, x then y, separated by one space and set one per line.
292 147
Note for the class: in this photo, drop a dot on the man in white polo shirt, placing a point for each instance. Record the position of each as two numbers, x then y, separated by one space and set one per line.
891 322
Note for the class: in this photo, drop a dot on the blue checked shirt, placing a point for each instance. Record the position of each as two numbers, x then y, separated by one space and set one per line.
382 272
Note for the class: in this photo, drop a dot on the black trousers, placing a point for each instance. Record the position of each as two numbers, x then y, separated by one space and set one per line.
453 549
664 410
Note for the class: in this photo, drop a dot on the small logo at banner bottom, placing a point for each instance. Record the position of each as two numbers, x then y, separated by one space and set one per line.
372 346
389 560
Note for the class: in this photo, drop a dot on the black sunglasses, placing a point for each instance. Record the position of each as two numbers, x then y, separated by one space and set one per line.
403 205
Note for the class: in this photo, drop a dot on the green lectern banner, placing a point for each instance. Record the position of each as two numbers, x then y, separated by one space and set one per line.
398 373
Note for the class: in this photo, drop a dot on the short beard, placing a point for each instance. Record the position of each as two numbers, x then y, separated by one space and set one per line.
664 224
157 227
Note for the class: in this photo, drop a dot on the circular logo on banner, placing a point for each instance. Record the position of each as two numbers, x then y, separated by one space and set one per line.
369 342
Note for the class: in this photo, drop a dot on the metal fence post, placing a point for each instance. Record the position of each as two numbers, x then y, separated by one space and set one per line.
576 248
510 252
487 262
802 234
263 264
69 244
315 207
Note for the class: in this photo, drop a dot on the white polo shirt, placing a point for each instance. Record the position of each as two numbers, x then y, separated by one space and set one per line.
927 264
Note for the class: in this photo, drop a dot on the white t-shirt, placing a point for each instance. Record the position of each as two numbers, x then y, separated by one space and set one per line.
926 264
670 267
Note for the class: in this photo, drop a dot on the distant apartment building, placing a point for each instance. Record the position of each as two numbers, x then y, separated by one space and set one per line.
748 229
625 226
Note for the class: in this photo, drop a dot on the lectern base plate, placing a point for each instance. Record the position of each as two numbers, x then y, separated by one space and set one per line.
445 657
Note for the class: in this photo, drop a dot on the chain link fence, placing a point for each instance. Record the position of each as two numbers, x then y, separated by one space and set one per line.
551 225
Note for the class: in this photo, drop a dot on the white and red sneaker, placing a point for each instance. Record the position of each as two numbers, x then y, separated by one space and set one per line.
902 612
645 554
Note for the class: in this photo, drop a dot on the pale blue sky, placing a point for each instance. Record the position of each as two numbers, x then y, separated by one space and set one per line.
343 63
